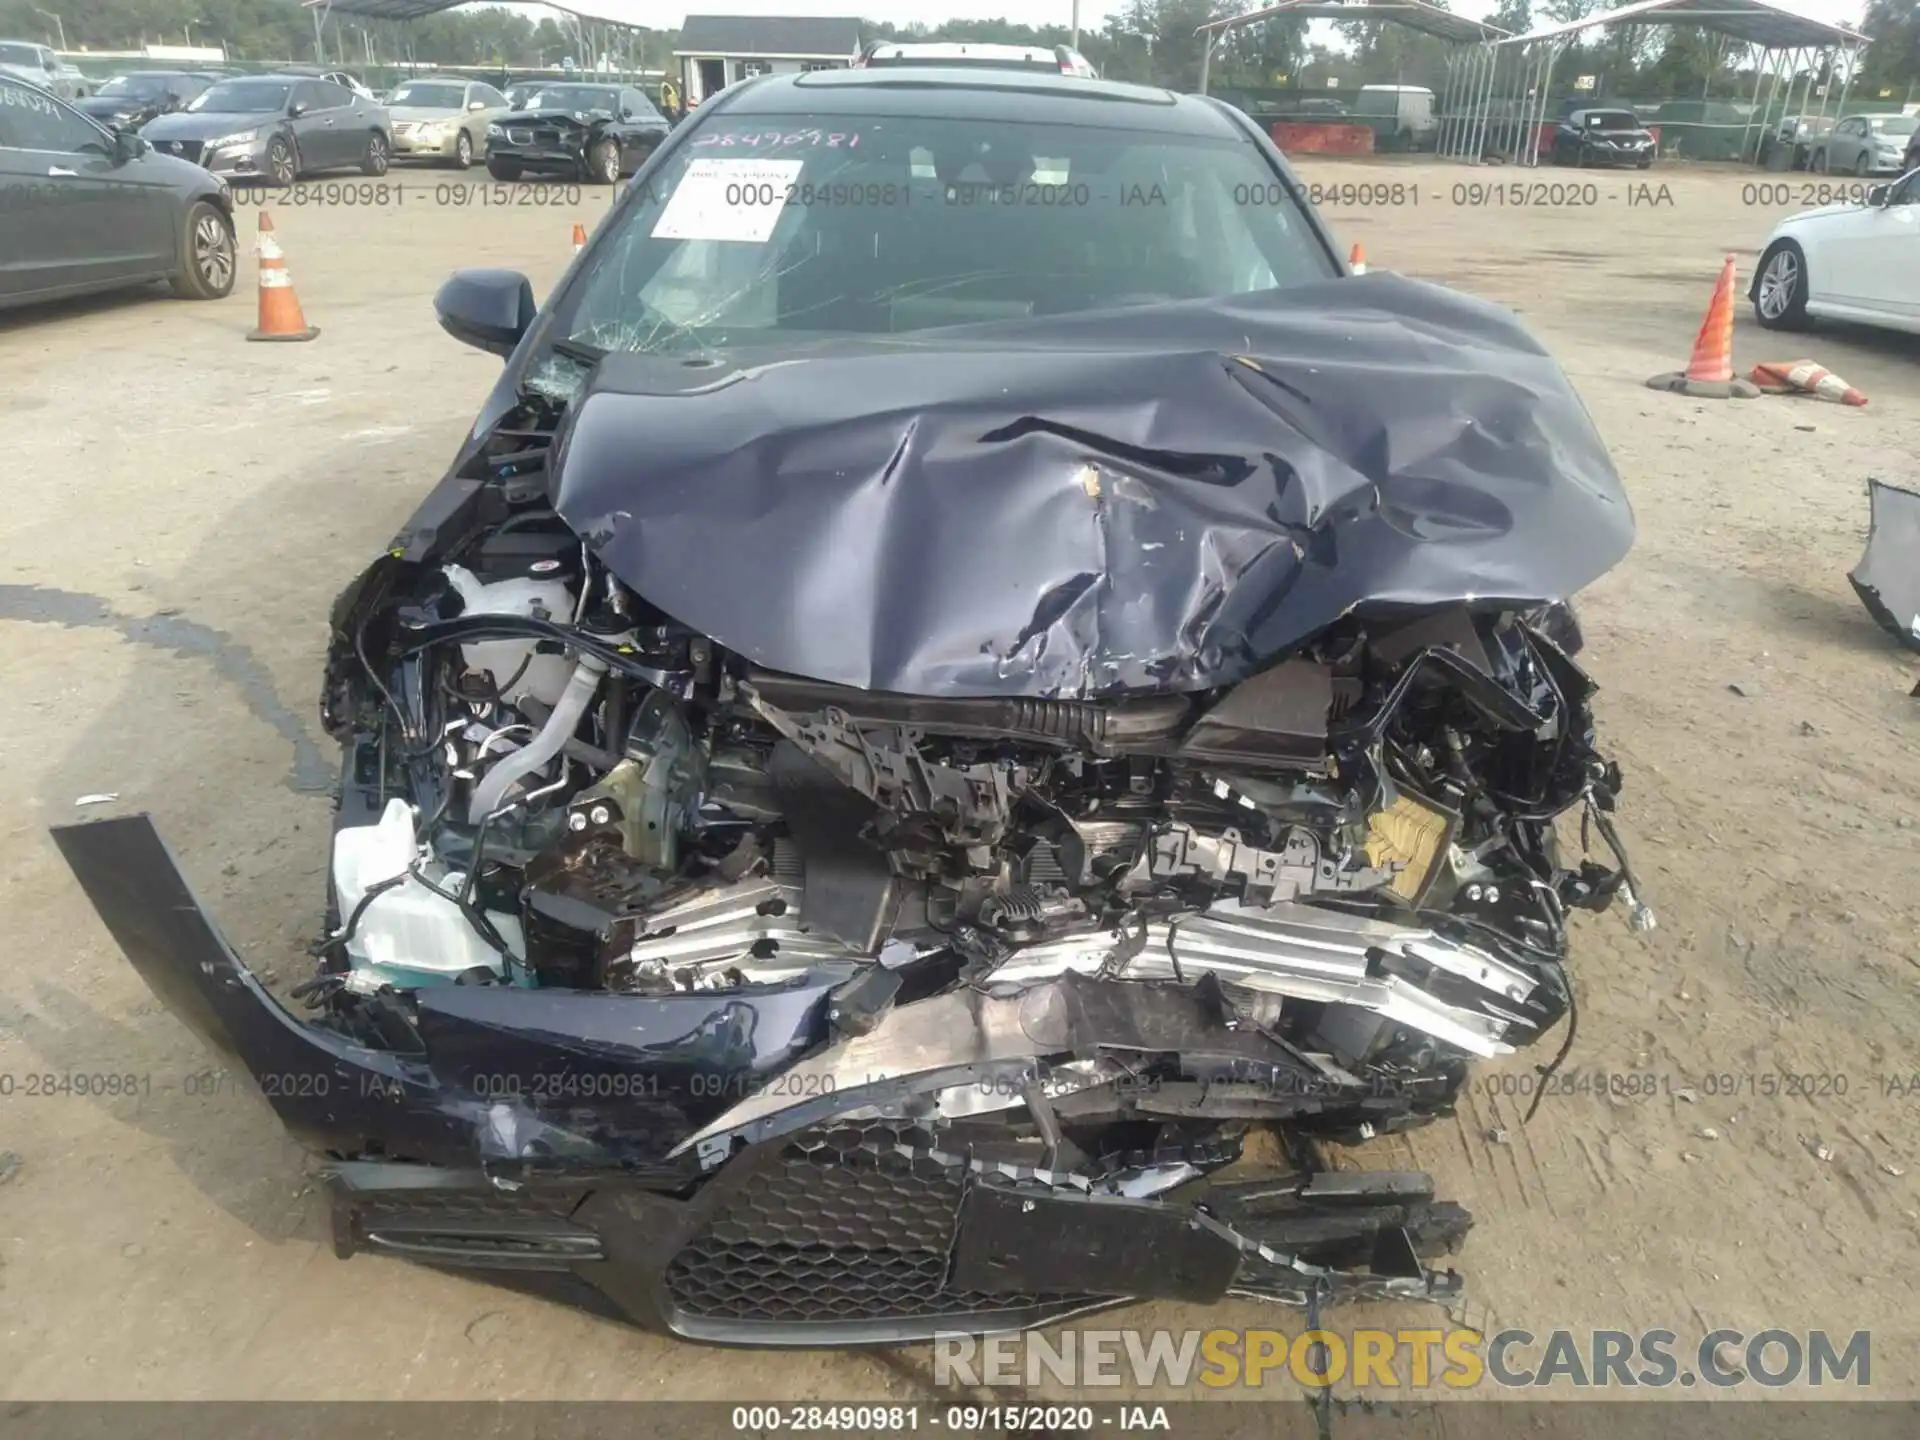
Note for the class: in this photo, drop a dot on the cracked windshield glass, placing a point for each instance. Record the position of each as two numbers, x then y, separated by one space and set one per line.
774 230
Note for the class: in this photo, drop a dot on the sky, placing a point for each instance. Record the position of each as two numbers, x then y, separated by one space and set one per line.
1093 13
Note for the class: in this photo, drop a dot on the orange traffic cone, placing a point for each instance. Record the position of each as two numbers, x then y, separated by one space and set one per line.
1709 372
1357 261
280 317
579 237
1713 346
1781 377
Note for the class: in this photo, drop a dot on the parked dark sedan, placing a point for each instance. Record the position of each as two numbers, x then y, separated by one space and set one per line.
277 128
84 208
127 102
595 132
1603 137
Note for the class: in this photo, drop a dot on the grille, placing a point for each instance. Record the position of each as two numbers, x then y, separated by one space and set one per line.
849 1223
520 136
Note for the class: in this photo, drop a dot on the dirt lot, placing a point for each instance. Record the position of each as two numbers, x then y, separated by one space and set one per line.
182 507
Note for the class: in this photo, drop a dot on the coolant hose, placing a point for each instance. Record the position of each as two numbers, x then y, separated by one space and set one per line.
559 728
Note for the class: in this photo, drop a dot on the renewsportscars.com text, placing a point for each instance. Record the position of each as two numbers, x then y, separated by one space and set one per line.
1412 1359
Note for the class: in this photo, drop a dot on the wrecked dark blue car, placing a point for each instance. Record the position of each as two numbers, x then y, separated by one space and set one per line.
970 699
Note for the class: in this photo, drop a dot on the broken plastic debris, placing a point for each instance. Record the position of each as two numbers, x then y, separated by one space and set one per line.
101 799
1887 579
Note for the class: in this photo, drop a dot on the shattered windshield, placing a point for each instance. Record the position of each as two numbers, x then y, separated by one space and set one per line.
429 97
241 97
782 229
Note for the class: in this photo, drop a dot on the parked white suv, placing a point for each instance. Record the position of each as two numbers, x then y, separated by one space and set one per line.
1050 59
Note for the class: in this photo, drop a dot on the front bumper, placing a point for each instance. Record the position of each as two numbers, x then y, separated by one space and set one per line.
237 159
1608 155
545 158
636 1155
409 145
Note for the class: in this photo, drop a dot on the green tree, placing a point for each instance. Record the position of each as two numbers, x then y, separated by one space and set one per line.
1892 62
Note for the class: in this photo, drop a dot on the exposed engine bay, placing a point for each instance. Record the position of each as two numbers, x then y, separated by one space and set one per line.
666 963
564 788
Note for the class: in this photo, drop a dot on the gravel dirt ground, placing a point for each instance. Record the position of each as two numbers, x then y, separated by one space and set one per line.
183 506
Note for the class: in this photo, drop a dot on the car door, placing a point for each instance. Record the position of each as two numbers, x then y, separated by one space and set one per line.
317 128
84 217
1884 254
1843 147
492 106
642 127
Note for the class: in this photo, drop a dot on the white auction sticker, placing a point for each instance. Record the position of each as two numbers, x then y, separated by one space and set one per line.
728 200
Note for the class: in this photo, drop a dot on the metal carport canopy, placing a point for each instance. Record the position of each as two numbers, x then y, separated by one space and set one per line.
603 12
1414 14
1756 22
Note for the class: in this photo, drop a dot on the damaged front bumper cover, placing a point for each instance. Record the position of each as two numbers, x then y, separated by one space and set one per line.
1887 579
666 1160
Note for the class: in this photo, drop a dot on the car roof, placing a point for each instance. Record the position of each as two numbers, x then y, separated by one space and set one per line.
967 47
964 93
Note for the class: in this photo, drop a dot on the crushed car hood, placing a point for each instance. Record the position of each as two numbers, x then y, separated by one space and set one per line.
109 107
548 117
1150 499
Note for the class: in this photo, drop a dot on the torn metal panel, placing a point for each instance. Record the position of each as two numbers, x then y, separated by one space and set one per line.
1887 579
913 514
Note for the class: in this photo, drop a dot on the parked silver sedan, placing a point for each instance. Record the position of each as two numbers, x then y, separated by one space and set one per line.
1866 145
444 118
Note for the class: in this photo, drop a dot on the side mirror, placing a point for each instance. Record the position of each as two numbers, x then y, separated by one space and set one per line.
487 309
296 109
1877 196
129 146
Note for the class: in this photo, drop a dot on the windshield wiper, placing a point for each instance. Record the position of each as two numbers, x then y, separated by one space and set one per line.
580 350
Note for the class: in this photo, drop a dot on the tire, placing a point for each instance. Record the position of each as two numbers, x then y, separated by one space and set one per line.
603 163
1785 265
1818 164
373 161
208 253
283 161
506 171
1646 164
462 151
1863 167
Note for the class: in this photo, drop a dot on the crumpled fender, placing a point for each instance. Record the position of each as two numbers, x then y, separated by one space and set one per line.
508 1079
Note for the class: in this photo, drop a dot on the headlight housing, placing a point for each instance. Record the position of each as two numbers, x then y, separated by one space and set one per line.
238 137
496 132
